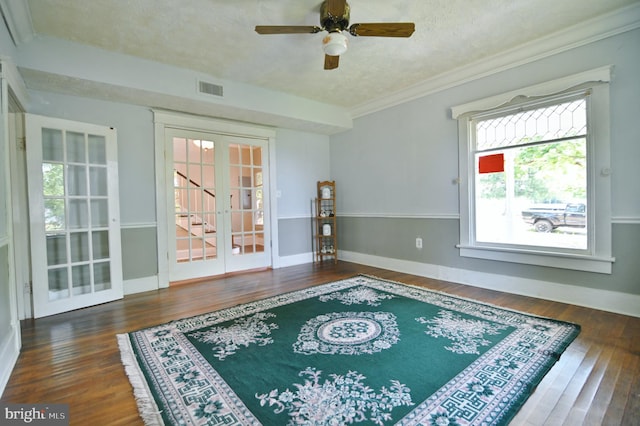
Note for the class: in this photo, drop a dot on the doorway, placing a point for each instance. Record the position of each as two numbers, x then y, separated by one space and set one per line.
216 189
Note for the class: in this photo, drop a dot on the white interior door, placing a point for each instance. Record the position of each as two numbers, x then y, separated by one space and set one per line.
75 224
218 187
247 222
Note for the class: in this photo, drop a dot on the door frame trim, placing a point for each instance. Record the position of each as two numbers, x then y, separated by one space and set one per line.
163 119
13 98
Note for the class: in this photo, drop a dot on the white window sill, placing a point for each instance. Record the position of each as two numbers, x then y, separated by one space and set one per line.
531 257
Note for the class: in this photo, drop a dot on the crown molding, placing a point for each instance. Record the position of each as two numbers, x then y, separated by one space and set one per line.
18 19
608 25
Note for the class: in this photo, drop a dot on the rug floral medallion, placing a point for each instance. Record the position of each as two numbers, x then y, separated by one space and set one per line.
361 351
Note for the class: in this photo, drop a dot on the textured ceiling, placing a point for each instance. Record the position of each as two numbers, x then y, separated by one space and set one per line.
217 37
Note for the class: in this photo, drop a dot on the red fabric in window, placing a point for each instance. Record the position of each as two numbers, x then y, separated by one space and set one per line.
491 163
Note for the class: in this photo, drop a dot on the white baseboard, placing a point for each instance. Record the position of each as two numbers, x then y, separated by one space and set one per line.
141 285
293 260
611 301
9 352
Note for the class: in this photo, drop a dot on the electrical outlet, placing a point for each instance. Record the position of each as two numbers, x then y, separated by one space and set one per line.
419 243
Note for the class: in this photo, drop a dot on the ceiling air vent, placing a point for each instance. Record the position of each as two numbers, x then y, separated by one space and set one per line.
209 88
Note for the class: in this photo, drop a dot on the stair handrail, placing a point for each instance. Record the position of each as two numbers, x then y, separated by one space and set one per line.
179 173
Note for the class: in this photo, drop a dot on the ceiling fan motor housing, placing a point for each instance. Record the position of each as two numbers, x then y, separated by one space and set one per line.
332 23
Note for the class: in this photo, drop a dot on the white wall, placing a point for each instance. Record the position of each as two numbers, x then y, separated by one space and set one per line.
302 160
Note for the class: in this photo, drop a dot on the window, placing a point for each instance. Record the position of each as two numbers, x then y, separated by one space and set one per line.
529 165
534 175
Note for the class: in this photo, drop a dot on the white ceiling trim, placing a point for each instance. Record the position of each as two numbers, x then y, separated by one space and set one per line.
618 22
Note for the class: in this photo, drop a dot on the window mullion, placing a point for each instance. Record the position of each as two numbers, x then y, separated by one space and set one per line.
524 145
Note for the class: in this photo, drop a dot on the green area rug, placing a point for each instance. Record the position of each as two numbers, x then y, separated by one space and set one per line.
358 351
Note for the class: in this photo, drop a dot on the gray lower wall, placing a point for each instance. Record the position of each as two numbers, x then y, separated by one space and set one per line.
139 252
139 246
295 236
395 238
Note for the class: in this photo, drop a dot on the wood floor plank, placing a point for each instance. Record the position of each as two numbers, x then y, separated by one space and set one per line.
547 391
541 408
585 398
559 414
631 413
616 410
604 394
73 358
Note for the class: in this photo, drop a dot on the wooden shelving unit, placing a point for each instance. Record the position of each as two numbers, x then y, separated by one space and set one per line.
325 239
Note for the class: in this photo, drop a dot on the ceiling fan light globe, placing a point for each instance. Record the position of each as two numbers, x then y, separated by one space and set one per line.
334 44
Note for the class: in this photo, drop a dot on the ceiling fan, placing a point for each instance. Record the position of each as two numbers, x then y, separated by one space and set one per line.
334 19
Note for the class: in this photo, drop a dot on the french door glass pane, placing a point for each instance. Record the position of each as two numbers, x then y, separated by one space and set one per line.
58 283
102 276
81 277
257 156
197 249
52 180
99 213
100 244
79 245
98 178
54 214
52 146
56 249
77 180
78 213
97 149
76 148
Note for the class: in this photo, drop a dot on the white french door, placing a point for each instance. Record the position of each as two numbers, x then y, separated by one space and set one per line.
246 220
217 203
74 205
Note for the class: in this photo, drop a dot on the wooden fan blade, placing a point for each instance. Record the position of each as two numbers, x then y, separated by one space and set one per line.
383 29
331 62
287 29
336 8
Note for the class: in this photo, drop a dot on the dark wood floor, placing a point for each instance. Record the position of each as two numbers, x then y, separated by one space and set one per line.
73 358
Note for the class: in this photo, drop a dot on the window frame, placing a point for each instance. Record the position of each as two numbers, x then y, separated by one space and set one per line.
597 257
